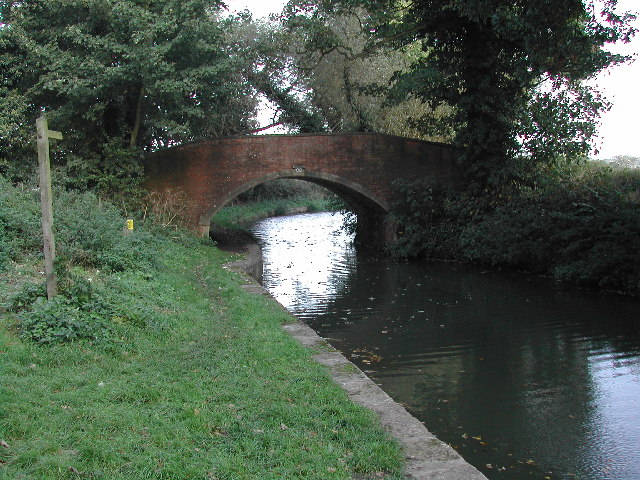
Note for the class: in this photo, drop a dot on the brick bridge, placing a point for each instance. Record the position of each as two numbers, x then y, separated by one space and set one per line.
360 167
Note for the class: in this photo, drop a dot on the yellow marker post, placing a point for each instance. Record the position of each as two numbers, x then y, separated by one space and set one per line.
130 224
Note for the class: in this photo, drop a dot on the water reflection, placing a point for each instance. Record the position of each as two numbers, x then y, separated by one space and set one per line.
523 378
314 259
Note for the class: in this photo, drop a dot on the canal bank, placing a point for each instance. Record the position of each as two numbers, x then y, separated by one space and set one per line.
525 378
205 384
427 458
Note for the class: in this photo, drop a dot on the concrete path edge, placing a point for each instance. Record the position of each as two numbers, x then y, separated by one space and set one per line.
427 458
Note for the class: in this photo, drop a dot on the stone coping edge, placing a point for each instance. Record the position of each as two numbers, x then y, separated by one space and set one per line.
426 457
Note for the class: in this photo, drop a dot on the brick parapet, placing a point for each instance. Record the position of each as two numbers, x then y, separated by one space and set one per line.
360 166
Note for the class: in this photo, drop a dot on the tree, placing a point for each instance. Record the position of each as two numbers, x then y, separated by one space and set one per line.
118 77
344 79
513 71
315 71
272 74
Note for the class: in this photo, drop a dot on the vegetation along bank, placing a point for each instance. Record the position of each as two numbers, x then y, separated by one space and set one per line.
230 226
579 224
154 363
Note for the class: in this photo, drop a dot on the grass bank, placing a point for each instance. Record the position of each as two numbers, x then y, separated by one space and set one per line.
155 364
273 198
235 215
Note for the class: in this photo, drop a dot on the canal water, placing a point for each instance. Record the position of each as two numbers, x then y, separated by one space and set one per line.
525 379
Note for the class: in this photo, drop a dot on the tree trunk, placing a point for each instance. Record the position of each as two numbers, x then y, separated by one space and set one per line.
135 130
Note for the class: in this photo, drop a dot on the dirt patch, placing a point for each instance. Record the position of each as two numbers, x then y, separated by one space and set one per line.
231 239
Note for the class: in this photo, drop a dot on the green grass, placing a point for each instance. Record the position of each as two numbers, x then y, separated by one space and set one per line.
208 387
234 215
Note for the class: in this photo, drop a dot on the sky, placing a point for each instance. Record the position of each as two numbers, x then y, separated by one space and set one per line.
620 127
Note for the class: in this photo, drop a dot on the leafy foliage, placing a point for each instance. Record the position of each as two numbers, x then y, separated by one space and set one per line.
78 314
16 139
273 76
511 71
27 296
19 221
582 226
116 77
89 233
427 222
313 68
626 161
92 309
346 80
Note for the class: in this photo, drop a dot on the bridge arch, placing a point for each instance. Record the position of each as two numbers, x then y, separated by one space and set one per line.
370 210
357 196
360 167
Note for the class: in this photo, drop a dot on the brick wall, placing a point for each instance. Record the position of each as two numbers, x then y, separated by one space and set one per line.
361 167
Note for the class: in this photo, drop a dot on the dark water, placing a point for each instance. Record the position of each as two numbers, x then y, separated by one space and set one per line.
525 379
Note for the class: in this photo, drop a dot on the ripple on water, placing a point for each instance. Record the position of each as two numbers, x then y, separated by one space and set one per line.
516 373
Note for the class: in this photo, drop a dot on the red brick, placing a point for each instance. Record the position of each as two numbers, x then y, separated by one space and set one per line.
360 167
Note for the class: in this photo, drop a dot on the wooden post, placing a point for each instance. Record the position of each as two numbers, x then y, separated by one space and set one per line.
44 170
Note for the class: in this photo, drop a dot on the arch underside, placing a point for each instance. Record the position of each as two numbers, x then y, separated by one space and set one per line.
361 200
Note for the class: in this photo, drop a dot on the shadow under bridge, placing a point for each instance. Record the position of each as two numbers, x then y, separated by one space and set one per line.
362 168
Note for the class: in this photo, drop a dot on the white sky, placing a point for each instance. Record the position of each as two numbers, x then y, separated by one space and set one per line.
259 8
620 129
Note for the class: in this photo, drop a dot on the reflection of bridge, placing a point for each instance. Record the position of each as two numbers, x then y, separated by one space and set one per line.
360 167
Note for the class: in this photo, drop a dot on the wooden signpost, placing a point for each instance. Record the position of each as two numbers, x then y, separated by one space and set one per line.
44 169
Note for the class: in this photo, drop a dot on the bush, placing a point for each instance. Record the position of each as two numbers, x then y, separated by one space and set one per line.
89 233
428 219
583 243
166 208
20 230
602 248
82 311
116 173
27 296
581 225
76 314
57 321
